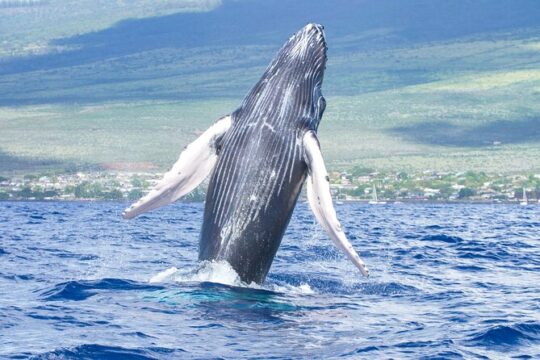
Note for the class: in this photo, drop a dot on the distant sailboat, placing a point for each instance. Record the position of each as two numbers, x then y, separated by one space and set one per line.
524 201
374 200
338 201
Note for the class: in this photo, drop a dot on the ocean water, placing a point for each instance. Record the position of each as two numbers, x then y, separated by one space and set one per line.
447 282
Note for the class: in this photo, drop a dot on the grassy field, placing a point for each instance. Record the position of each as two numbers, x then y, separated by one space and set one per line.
23 22
444 125
449 103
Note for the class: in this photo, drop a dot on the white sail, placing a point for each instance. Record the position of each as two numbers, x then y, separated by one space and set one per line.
524 200
374 197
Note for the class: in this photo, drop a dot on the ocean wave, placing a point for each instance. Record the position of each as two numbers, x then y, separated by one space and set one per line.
387 289
78 290
443 237
443 355
220 301
516 334
363 350
479 290
96 351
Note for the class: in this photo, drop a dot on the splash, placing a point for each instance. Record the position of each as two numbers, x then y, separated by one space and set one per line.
162 276
221 272
302 289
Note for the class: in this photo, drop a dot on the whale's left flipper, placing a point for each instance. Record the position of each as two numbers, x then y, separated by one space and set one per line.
320 199
191 168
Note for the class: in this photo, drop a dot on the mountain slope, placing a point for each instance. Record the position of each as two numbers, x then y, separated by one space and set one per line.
419 84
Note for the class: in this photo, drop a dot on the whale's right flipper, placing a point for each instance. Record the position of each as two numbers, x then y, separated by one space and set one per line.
192 167
320 199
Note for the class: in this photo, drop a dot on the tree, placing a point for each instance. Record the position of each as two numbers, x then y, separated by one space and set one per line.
80 190
138 182
135 194
361 171
475 178
113 195
402 176
466 192
26 192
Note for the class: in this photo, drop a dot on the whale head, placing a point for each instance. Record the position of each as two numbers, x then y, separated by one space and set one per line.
306 52
289 91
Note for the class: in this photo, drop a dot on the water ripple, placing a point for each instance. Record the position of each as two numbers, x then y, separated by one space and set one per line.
500 335
83 289
96 351
447 282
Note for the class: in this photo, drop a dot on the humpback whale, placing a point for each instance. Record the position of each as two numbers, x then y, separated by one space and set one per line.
259 157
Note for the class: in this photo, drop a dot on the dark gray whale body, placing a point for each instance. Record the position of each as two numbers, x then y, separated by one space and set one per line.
259 157
262 160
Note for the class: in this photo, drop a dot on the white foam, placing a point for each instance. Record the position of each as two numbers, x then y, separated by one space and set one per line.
302 289
207 271
212 271
221 272
160 277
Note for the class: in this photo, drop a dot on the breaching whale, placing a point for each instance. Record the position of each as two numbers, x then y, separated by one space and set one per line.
259 157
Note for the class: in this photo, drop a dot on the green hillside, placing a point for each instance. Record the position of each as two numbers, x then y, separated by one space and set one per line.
402 98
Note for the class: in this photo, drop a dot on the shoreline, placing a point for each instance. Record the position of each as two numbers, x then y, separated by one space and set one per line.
342 202
359 185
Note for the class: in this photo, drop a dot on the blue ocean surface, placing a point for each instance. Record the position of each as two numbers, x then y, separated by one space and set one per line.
447 282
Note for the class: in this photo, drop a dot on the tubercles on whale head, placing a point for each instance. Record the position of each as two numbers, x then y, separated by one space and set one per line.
291 85
301 59
308 42
305 56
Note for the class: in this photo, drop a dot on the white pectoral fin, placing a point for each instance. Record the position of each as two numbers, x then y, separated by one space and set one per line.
320 200
192 167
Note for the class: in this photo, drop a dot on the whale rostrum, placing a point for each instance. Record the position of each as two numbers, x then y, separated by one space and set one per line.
259 157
